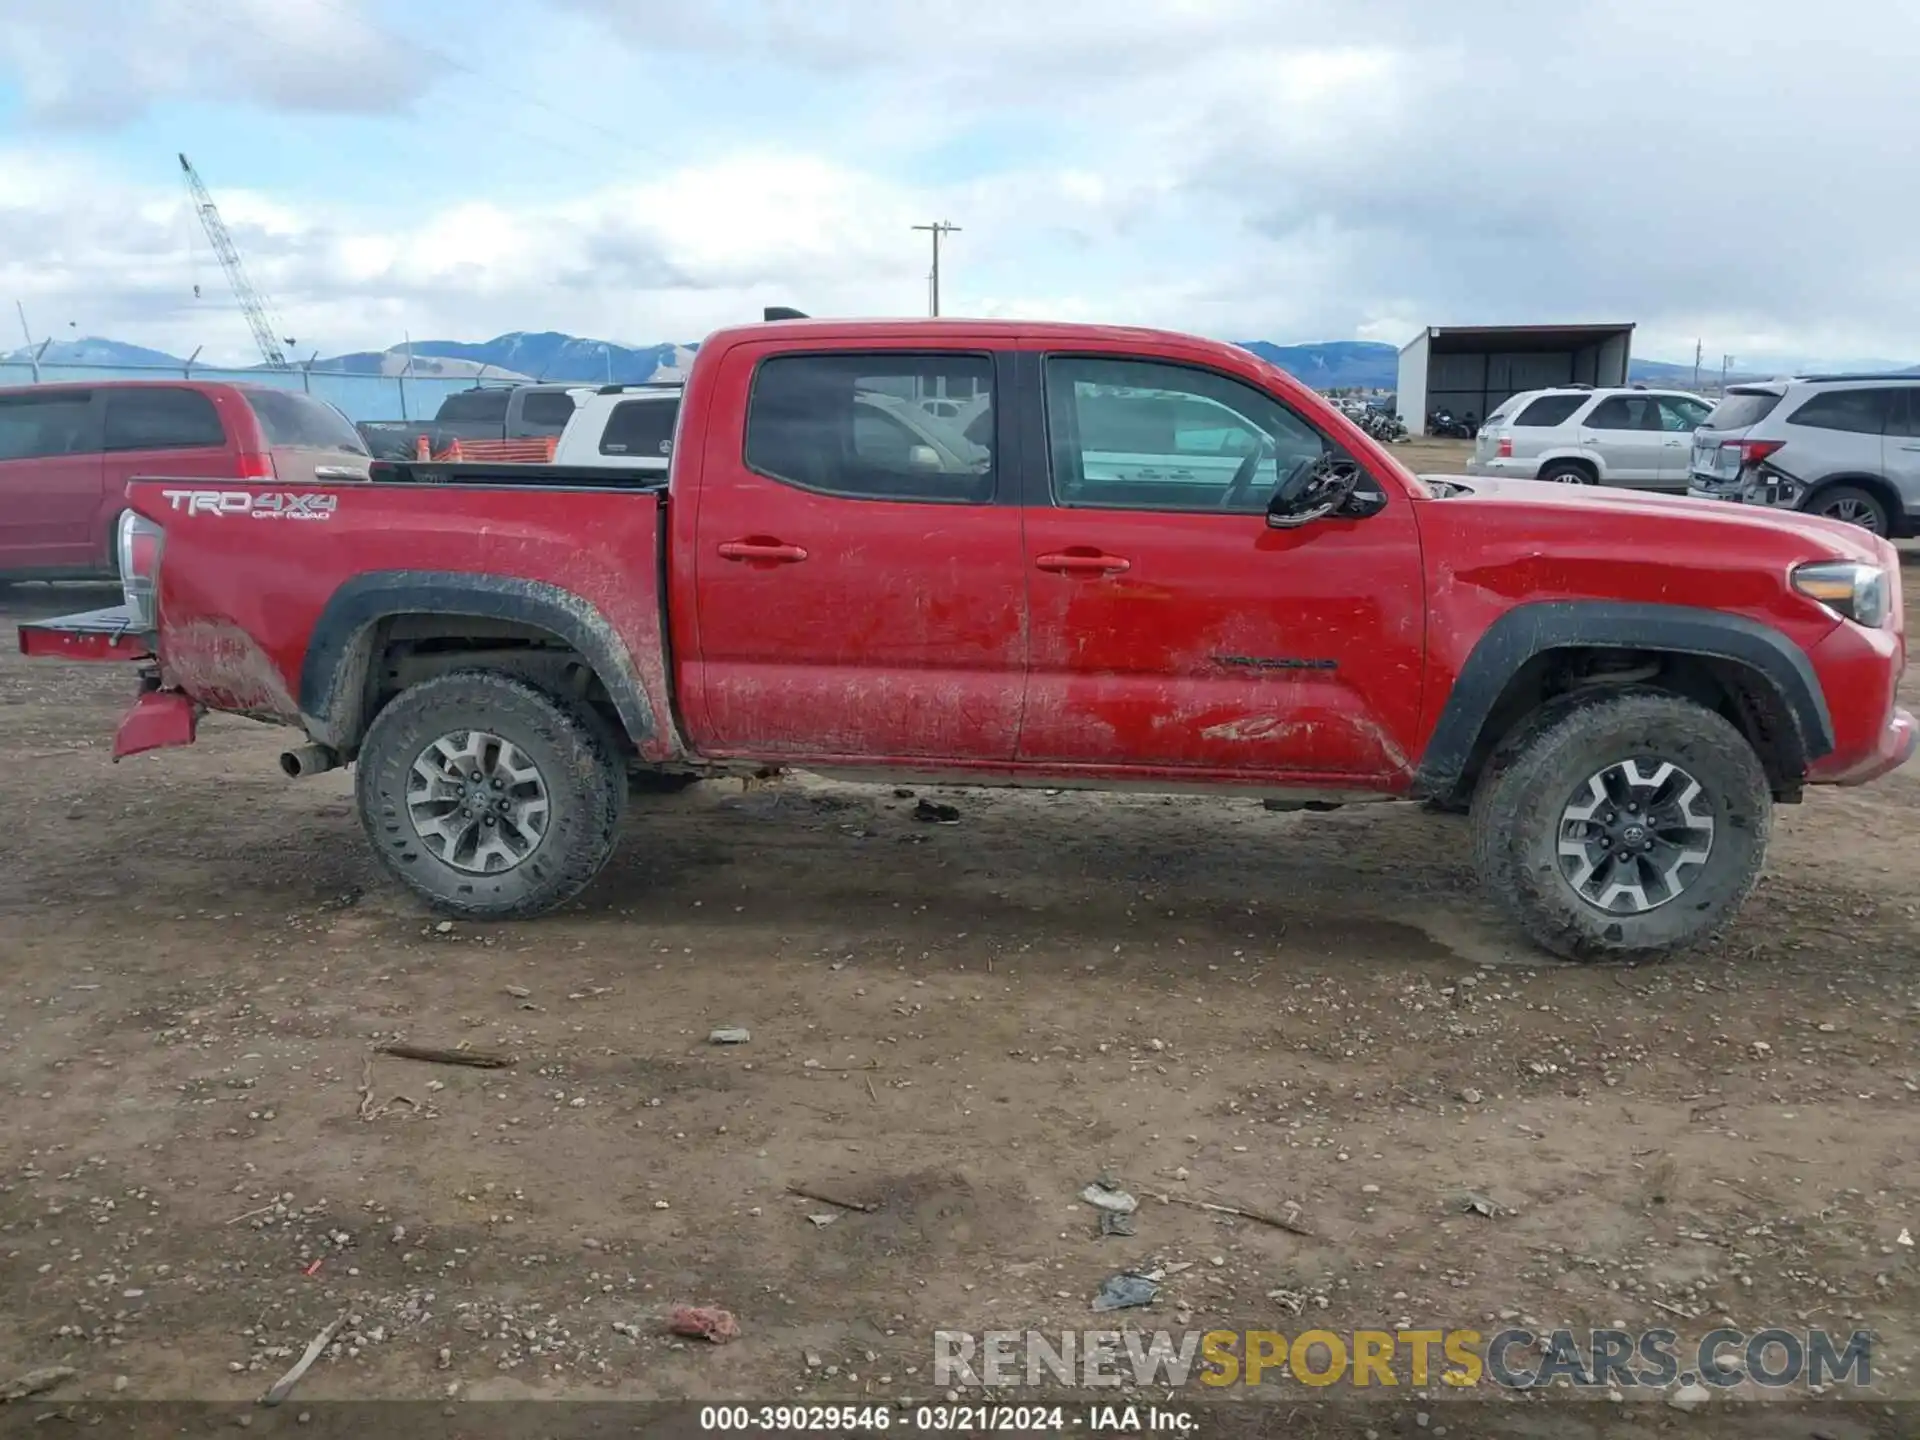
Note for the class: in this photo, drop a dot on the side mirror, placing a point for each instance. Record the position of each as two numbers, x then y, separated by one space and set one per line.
1332 487
923 457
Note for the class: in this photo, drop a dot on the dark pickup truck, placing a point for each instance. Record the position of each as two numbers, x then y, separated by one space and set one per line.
486 412
1161 563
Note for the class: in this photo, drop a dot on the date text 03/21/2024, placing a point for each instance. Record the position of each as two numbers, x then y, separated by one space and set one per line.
959 1419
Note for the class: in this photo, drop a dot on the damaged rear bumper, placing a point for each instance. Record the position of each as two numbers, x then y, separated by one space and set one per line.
158 720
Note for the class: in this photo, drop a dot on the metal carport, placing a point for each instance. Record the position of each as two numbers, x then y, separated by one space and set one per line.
1470 369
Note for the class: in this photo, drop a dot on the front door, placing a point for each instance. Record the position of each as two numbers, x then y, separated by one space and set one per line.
1171 627
859 581
1680 416
1626 430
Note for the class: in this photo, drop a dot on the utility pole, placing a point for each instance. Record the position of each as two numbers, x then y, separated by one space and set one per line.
1726 364
937 229
1696 364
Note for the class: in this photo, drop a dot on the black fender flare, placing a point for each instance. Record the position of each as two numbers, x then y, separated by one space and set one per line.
1530 630
333 674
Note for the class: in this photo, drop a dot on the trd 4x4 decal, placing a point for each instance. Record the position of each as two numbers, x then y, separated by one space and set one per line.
274 505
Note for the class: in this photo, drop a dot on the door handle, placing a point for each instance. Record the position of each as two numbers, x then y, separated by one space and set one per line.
1910 447
338 472
1082 562
757 549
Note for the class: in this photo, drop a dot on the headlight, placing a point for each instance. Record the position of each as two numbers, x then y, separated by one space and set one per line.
1850 589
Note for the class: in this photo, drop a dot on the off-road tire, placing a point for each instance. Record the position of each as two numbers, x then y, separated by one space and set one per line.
1519 804
1864 508
585 785
1569 472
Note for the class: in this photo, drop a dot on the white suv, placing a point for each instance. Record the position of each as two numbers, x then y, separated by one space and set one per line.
1843 446
1582 436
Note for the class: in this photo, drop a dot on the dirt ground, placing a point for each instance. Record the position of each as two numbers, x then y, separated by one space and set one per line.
961 1025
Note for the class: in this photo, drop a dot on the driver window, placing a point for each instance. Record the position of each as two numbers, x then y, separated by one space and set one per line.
1140 435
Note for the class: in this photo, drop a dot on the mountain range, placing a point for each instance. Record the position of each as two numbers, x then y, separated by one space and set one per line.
551 355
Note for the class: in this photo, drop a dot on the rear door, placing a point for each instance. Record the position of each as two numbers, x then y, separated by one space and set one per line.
311 442
1902 447
1172 630
157 432
1625 431
859 592
50 481
1839 434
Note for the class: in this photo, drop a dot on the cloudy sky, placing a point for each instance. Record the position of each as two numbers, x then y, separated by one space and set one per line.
645 170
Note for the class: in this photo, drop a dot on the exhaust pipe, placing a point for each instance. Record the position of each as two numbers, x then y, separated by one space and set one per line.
307 760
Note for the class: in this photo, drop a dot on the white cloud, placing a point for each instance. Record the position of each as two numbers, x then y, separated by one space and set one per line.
94 64
1289 169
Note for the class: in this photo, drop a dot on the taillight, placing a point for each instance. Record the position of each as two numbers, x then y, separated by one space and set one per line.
1752 452
1505 449
139 556
257 465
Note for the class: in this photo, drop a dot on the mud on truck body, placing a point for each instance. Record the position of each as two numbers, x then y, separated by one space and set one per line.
992 553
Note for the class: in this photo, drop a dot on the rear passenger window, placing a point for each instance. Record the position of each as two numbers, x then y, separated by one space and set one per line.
1861 412
547 407
142 419
856 425
1548 411
35 426
642 428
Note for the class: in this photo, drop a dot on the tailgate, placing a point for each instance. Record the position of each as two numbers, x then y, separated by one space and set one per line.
90 635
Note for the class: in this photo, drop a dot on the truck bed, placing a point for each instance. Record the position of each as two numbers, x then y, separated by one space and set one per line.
481 472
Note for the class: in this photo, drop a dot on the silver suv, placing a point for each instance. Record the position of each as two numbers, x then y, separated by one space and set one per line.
1845 446
1582 436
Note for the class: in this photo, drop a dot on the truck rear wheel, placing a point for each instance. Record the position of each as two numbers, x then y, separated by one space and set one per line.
488 797
1625 828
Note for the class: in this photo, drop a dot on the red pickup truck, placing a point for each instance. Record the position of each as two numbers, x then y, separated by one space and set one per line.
1094 557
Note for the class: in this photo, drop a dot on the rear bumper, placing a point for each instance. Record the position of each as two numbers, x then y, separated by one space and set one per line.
90 635
158 720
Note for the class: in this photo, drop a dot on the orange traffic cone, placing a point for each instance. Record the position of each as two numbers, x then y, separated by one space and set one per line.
422 450
453 454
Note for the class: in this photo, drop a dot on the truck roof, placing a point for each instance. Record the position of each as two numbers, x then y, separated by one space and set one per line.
944 330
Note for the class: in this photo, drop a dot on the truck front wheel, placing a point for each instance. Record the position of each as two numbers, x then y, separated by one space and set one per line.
487 797
1624 828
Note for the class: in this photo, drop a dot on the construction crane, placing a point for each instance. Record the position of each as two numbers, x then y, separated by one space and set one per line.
252 303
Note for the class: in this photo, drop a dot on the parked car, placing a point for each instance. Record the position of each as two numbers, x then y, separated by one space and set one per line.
486 412
1061 606
625 427
1843 446
1582 436
67 452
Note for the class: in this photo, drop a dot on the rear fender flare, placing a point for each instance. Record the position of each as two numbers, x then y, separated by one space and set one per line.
333 676
1527 631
